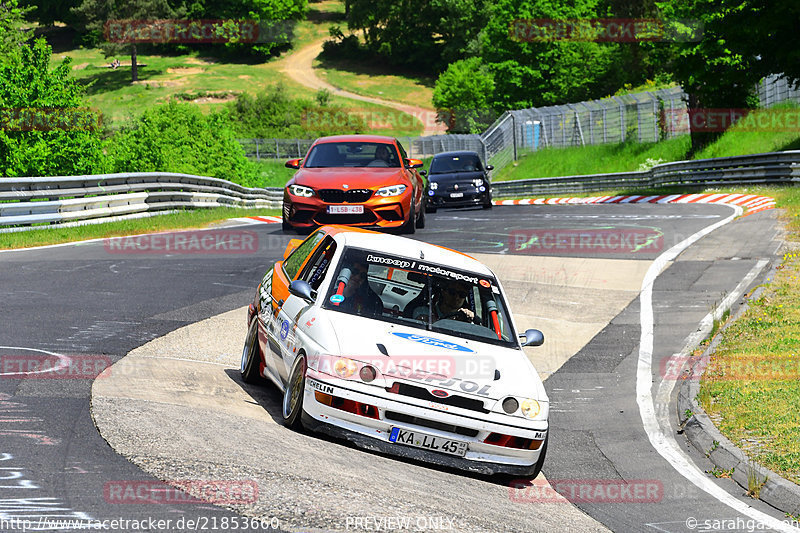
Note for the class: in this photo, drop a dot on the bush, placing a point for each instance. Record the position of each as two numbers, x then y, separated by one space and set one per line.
177 137
45 129
462 95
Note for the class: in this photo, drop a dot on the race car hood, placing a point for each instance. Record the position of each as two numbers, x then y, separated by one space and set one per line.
353 177
437 360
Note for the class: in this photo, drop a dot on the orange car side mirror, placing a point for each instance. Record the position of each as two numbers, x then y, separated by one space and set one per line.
293 163
413 163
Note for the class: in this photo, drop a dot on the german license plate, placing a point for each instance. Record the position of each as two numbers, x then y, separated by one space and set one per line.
345 209
429 442
456 195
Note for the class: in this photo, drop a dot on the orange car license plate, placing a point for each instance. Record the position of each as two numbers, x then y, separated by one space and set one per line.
345 209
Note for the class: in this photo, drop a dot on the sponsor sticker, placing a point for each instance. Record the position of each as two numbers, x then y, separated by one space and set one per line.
432 341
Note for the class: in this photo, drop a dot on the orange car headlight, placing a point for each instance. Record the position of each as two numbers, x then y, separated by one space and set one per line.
391 190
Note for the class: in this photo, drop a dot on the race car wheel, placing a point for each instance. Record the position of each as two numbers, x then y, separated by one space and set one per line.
421 219
285 226
293 394
409 226
251 357
488 205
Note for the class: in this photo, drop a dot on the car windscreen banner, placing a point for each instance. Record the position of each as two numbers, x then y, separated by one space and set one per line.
427 268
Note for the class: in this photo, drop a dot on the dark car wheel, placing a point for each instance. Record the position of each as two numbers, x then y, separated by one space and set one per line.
285 226
409 226
421 218
487 205
293 394
251 356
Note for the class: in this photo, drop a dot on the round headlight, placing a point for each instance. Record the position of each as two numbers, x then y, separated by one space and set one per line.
434 185
510 405
531 408
368 374
345 368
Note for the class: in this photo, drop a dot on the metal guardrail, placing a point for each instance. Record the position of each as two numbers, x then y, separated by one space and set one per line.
26 201
758 169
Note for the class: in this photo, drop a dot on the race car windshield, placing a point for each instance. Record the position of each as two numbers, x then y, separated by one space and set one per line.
455 163
352 154
420 295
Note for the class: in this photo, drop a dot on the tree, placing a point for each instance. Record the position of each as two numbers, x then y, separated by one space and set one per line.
47 12
723 68
462 95
424 34
96 14
45 129
12 26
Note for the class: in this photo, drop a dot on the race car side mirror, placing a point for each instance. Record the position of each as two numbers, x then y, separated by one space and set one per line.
301 289
532 337
413 163
293 163
293 244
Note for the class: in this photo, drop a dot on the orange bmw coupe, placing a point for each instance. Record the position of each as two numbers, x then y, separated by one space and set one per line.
356 180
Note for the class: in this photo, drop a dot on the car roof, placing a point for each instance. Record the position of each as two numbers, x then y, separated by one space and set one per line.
455 153
405 247
355 138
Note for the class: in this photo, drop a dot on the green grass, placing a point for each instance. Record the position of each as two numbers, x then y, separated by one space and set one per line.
751 387
181 220
379 81
273 172
163 77
593 159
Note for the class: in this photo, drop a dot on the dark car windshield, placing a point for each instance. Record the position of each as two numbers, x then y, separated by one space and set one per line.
420 295
352 154
455 163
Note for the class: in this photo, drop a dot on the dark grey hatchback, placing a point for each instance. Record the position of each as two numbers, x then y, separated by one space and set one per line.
458 179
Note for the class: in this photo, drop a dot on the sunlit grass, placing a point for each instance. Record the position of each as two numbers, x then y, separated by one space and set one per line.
181 220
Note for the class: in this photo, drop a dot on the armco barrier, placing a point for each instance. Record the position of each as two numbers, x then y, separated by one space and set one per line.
26 201
757 169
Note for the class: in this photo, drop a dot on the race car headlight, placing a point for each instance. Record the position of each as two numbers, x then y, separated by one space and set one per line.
391 190
300 190
531 408
434 185
510 405
345 368
368 373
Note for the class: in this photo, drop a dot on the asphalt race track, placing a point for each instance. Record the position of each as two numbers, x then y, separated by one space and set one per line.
177 408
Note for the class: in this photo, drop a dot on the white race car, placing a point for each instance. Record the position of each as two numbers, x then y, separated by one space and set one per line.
399 346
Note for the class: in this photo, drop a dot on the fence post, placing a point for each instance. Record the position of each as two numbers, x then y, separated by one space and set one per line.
277 150
514 134
258 155
297 141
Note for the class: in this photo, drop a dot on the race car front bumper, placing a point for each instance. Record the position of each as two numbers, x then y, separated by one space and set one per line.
371 426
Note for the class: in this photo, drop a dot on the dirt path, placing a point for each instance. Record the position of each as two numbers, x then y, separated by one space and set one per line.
299 67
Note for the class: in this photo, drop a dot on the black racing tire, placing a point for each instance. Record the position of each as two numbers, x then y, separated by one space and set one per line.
421 219
293 394
251 356
285 226
409 226
488 205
